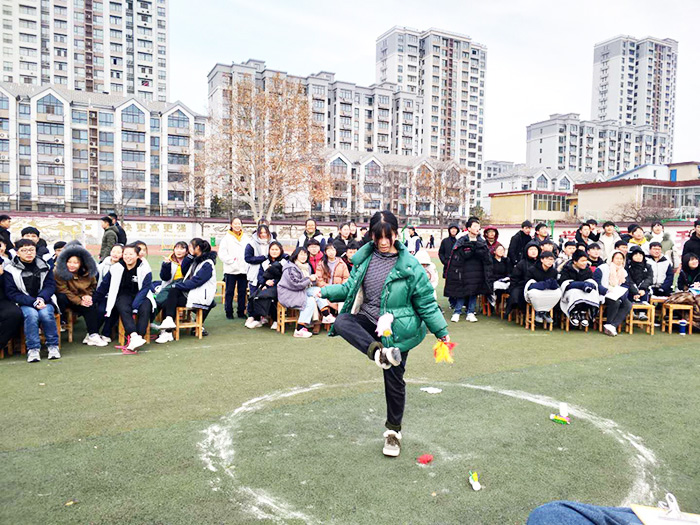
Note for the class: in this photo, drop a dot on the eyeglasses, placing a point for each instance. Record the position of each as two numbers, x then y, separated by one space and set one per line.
26 250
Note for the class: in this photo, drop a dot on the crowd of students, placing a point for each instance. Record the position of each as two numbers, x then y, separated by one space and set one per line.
597 268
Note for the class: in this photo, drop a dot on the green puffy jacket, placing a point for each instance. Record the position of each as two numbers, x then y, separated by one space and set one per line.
407 294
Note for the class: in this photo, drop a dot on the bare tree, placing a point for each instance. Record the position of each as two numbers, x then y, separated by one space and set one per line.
644 212
266 147
445 189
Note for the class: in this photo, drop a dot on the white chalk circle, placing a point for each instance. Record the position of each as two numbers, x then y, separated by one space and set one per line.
218 454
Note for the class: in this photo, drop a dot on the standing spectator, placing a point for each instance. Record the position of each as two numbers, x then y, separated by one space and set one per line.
668 247
431 242
110 237
565 255
312 232
594 257
364 237
353 230
127 291
608 239
614 284
255 254
446 246
31 233
692 245
541 233
662 269
10 314
622 246
468 272
350 253
30 284
583 234
343 239
430 268
517 247
638 239
232 254
5 223
414 242
121 234
491 237
689 276
76 282
593 225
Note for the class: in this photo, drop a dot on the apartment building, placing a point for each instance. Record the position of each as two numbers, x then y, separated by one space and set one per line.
67 150
604 148
447 71
117 47
377 118
496 167
634 83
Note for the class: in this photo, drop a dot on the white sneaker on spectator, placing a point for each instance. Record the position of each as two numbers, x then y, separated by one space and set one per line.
248 322
302 333
135 341
86 339
95 340
255 324
164 337
33 356
392 443
329 319
584 322
472 318
54 353
609 330
273 326
455 318
167 324
106 339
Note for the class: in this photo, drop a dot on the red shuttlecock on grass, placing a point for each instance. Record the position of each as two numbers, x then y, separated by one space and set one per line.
444 352
425 459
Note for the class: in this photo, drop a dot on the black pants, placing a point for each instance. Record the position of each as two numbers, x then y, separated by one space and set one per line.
177 298
235 281
125 312
616 311
11 320
360 332
89 313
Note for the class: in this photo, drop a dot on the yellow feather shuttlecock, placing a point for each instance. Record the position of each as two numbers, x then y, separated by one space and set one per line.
444 352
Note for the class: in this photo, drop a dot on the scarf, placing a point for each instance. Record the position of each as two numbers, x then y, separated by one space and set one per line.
617 276
238 236
304 268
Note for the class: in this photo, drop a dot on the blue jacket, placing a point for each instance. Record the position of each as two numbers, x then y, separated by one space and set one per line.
166 268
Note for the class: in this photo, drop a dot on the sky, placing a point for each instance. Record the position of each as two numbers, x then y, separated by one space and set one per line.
539 57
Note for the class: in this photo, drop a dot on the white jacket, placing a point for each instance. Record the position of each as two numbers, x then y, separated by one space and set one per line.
232 253
202 296
116 271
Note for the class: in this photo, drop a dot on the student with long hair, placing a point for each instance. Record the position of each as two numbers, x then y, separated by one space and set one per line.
10 314
343 239
614 283
386 279
331 270
256 252
263 300
232 254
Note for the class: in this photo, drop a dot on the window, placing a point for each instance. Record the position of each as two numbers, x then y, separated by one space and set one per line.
80 136
80 195
106 138
134 175
25 110
107 196
199 128
133 156
133 115
155 162
155 142
174 158
177 140
80 175
372 169
44 128
106 158
53 190
80 155
564 184
106 119
50 105
47 148
176 195
178 120
79 117
24 131
542 182
133 136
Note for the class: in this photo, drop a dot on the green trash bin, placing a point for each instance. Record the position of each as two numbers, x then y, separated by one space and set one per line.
212 241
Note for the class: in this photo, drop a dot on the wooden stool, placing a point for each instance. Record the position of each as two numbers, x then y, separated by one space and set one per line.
183 320
71 318
648 324
12 344
485 305
599 317
667 319
221 291
502 305
122 335
530 319
566 323
286 315
23 341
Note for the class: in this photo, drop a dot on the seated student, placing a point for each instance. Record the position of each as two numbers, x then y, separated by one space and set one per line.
614 284
594 258
350 253
620 246
143 252
30 284
565 255
518 277
76 282
114 257
580 299
331 270
256 252
548 246
541 287
173 269
640 273
500 274
297 289
662 283
689 276
263 302
312 232
10 314
57 249
638 239
315 253
33 235
126 290
343 238
195 290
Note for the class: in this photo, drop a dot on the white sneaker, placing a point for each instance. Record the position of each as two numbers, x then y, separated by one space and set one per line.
248 322
303 333
165 337
135 341
472 318
106 339
610 330
392 443
387 357
329 319
54 353
95 340
167 324
273 326
33 356
455 318
86 339
155 326
255 324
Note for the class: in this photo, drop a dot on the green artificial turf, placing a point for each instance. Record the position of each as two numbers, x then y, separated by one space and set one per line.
119 434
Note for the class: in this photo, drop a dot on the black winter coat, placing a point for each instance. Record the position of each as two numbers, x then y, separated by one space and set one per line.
5 236
692 245
501 269
341 246
469 269
687 276
516 249
445 251
641 274
570 273
539 274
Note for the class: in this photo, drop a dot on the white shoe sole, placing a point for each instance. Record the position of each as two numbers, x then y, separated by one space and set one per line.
167 326
390 452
